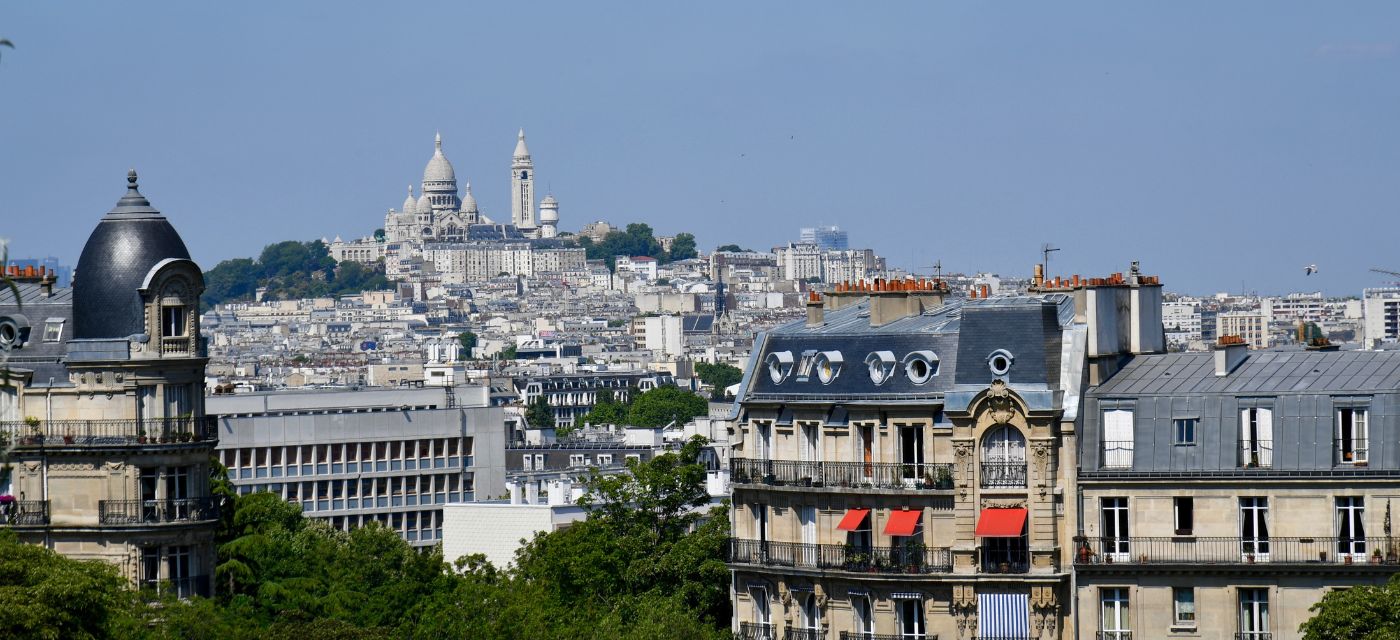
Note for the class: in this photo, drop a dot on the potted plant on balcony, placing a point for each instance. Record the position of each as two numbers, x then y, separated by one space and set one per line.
67 437
804 481
35 437
1376 557
945 478
142 437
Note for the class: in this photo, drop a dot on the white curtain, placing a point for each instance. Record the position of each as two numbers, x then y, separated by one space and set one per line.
1118 438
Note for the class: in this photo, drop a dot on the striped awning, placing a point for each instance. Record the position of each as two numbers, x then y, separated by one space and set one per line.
1004 615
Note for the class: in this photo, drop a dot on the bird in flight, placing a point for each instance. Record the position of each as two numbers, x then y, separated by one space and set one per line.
1310 269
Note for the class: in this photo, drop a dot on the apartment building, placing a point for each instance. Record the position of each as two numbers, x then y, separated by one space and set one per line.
572 395
354 457
1223 494
102 413
1252 326
1381 309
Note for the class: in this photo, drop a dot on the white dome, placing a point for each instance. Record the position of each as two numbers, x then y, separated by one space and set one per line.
424 206
438 169
520 150
549 210
408 204
469 200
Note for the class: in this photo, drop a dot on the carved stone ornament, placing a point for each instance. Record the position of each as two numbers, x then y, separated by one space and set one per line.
1000 407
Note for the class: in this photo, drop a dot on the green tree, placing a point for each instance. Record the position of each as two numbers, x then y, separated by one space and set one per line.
719 376
683 248
1357 613
235 279
733 248
468 341
508 353
606 410
539 415
663 405
46 595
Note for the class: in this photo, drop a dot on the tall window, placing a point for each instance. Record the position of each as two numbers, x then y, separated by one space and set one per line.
1004 458
1114 605
1254 528
1118 438
1257 437
807 517
760 605
1184 606
1351 532
811 617
860 539
911 619
177 561
911 451
764 441
808 445
1114 519
864 621
1351 435
1254 614
1184 514
172 322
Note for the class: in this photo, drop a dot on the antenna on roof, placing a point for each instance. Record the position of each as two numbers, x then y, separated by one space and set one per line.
1045 251
937 267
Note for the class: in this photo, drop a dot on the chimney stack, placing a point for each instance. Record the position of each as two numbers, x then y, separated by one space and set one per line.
1038 280
816 315
1230 352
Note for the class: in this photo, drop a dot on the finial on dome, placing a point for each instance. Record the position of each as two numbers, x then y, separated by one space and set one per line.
410 191
131 178
469 186
437 140
521 136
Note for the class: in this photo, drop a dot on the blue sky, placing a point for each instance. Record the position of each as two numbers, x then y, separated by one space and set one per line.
1222 144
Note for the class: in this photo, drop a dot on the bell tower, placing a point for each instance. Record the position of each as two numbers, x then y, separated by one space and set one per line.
522 186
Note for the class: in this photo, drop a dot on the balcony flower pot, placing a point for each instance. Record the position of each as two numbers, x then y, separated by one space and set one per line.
67 438
1376 557
1346 559
1249 558
1322 556
1004 567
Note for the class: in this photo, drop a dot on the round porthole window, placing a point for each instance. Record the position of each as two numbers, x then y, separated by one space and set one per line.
829 366
881 366
921 366
8 334
779 366
1000 362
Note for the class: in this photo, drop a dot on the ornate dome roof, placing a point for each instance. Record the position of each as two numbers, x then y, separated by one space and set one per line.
469 200
438 169
128 241
409 205
424 205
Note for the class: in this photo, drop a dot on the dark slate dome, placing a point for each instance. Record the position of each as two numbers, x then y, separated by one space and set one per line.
129 240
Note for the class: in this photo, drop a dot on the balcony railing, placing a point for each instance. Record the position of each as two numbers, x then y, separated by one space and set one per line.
906 559
850 475
1349 451
856 635
998 475
24 513
1257 454
1006 560
185 587
756 631
1238 551
142 512
1117 454
804 634
108 433
1115 635
1254 635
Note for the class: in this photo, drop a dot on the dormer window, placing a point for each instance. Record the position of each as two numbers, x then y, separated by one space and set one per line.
53 330
881 365
921 366
829 366
779 366
172 322
1000 362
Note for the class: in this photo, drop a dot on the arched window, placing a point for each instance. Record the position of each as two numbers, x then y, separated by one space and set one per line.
811 617
1004 444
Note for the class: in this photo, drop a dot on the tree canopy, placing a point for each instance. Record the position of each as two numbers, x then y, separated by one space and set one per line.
468 340
290 270
539 415
637 239
1358 613
719 376
663 405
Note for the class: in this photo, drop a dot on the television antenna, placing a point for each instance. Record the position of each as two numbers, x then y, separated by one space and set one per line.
1045 251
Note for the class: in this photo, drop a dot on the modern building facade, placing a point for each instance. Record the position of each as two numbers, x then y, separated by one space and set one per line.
103 407
1381 310
354 457
1223 494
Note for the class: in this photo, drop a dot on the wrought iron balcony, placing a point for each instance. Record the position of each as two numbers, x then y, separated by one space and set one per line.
1115 635
1254 635
857 635
1002 475
905 559
849 475
804 634
23 513
756 631
1237 551
144 512
58 434
1257 454
1117 454
186 587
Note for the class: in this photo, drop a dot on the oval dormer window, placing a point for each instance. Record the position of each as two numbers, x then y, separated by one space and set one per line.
779 366
881 365
1000 362
829 365
921 366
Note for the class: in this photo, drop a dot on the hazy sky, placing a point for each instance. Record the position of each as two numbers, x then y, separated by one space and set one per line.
1223 144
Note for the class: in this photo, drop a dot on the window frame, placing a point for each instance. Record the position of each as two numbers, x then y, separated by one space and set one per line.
1177 619
1190 503
53 330
1191 425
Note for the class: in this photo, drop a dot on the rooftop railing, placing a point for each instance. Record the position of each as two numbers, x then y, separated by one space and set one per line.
144 512
108 433
849 475
23 513
906 559
1236 551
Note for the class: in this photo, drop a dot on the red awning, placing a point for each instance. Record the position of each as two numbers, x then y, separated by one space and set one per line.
853 519
903 522
1001 523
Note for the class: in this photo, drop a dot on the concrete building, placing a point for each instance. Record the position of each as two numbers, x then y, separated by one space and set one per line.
1381 313
352 457
663 336
1223 494
1252 326
826 238
103 408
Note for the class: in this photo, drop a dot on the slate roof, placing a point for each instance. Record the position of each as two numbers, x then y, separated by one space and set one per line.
1263 372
